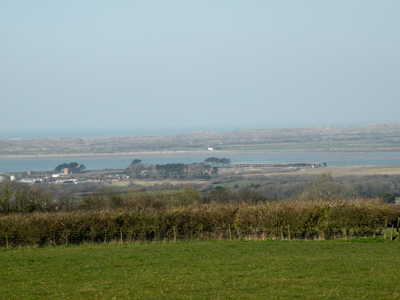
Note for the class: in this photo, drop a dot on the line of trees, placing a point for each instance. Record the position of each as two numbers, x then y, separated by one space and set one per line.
71 166
218 162
170 171
22 198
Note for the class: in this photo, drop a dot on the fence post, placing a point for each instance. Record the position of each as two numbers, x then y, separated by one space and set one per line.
121 235
288 229
384 233
230 233
7 241
398 233
391 234
175 234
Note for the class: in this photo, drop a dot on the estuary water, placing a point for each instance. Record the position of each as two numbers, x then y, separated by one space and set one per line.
99 162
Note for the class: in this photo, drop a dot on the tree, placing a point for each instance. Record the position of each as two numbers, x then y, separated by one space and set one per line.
225 161
136 161
59 168
71 166
210 160
388 198
5 197
220 194
215 161
321 189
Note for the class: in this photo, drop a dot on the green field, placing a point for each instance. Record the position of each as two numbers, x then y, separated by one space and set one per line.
204 270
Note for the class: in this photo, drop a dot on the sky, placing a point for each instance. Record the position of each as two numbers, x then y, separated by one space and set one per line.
99 68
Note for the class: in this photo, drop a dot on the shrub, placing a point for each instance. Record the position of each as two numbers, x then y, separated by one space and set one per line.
388 198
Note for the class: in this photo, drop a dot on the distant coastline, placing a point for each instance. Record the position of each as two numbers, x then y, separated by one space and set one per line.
368 138
194 152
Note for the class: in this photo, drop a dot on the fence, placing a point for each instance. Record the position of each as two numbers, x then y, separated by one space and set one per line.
174 235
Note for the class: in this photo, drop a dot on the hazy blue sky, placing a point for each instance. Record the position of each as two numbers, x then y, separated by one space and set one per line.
127 67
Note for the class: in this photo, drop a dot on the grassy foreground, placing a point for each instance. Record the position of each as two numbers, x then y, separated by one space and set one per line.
204 270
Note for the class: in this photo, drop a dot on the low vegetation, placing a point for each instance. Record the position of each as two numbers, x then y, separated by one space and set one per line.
149 220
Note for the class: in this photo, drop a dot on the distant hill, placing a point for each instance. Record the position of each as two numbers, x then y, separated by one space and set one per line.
385 136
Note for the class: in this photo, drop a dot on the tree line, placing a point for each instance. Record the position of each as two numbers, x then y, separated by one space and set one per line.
176 171
71 166
218 162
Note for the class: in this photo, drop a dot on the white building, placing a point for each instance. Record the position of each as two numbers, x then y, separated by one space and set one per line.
30 180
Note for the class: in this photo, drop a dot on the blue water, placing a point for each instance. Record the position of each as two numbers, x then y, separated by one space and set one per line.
122 161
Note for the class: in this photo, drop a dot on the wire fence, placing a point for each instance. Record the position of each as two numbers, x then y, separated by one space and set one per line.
174 234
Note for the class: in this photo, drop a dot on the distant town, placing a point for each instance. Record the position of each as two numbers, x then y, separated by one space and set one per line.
75 173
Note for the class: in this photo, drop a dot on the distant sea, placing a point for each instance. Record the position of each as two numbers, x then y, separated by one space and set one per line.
23 164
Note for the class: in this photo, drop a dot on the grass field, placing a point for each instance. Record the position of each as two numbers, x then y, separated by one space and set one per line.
204 270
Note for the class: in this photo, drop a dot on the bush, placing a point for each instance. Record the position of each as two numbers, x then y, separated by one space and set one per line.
388 198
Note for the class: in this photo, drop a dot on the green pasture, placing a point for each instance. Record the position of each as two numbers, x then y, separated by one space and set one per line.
367 269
